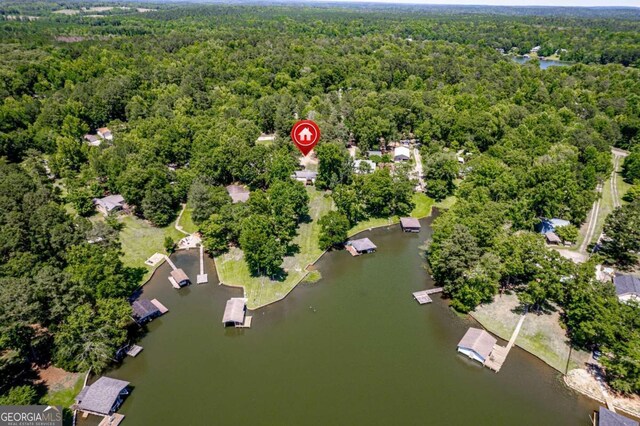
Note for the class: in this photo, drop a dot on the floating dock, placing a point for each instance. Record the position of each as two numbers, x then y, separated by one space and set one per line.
498 355
114 420
202 278
163 309
246 323
134 350
423 296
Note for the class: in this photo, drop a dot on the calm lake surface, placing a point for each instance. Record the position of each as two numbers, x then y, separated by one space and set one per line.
352 349
544 63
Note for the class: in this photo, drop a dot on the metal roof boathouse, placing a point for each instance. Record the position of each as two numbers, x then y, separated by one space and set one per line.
103 397
361 246
477 344
235 313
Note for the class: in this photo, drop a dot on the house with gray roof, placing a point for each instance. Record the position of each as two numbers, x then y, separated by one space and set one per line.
307 177
627 287
238 193
609 418
110 203
103 397
477 344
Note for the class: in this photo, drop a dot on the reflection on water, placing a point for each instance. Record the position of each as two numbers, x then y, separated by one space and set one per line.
352 349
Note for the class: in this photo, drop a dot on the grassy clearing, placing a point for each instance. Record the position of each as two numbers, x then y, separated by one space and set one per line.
186 222
64 397
541 335
233 270
140 240
422 209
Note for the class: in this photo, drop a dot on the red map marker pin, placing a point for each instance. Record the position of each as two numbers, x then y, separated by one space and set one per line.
305 134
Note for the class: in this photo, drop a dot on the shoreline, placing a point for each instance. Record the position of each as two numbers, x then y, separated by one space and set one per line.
393 222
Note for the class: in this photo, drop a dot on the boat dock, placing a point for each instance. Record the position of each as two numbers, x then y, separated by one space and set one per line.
202 278
114 420
246 323
498 355
173 282
352 250
423 296
134 350
163 309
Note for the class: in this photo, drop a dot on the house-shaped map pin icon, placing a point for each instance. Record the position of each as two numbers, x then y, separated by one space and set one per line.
305 135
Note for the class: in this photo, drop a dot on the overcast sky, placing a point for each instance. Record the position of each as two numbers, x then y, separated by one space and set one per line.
585 3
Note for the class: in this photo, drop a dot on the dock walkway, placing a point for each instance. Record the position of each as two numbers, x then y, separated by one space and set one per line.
423 296
202 278
113 420
498 355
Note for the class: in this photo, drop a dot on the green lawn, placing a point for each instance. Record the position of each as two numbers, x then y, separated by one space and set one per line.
186 222
64 397
233 271
541 335
140 240
423 208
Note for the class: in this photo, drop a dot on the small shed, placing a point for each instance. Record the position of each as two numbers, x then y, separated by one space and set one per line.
103 397
307 177
552 238
144 310
362 245
372 153
609 418
110 203
401 153
410 224
627 287
180 277
477 344
234 312
238 193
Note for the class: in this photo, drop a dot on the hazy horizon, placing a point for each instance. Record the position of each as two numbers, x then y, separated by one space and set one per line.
561 3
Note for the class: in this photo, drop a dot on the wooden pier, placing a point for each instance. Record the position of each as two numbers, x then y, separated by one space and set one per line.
498 355
134 350
202 278
352 250
173 282
163 309
114 420
423 296
246 323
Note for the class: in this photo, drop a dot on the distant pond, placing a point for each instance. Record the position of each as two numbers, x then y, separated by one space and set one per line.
544 63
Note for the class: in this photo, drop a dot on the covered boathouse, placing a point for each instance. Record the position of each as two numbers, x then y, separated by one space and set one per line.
410 224
103 397
361 246
477 344
235 312
180 277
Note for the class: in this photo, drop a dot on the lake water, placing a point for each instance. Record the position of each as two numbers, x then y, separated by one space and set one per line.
544 63
352 349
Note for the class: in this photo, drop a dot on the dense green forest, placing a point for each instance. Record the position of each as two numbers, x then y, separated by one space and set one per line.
186 91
